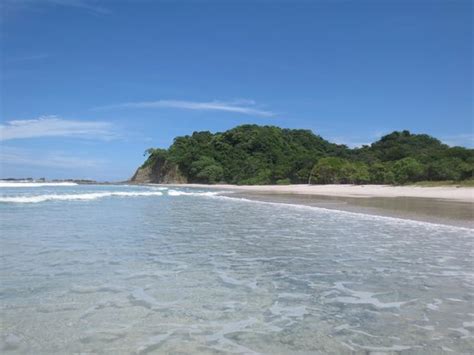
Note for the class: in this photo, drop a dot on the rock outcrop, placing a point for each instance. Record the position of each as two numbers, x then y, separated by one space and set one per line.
162 172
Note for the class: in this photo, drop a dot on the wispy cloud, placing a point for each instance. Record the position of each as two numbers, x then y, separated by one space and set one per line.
53 126
246 107
462 139
60 160
87 5
27 58
81 4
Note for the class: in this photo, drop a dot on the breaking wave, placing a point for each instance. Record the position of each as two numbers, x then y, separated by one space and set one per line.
97 195
184 193
330 211
159 191
76 197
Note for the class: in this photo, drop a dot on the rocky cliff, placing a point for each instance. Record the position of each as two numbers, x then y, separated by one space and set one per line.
162 172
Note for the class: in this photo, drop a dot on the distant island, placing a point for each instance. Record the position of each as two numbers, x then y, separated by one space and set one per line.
262 155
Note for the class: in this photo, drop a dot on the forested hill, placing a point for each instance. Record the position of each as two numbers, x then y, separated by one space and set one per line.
252 154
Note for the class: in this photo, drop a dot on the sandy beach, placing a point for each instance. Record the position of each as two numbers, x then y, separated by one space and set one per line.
442 205
464 194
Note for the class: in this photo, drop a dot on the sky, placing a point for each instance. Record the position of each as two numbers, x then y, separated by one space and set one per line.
87 86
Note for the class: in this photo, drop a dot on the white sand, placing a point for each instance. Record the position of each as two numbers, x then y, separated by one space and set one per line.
465 194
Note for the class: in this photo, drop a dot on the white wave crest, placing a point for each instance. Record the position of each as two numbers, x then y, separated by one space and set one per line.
184 193
365 216
34 184
76 197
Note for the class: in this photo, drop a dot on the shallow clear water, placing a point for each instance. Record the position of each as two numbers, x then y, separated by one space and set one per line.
130 269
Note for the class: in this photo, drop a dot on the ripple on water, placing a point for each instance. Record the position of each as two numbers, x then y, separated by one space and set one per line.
188 271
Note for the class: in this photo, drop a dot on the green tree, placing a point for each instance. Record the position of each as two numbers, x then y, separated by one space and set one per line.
155 156
329 171
207 170
449 169
407 169
251 154
378 173
360 173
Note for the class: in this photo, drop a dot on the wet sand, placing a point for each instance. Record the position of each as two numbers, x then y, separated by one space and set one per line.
440 211
449 205
454 193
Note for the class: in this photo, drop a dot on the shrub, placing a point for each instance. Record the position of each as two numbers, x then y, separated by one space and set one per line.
407 169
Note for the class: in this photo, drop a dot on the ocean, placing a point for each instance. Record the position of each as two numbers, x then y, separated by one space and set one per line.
117 269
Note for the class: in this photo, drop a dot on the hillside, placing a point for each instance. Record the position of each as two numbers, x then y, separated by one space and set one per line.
251 154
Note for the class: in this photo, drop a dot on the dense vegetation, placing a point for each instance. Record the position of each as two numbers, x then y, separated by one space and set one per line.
252 154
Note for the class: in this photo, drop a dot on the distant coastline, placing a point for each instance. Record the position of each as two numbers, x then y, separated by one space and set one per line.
56 181
44 180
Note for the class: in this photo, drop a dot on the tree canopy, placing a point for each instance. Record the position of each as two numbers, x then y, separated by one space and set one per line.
252 154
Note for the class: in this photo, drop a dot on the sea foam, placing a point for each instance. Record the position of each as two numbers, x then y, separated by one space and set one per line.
200 273
330 211
76 197
185 193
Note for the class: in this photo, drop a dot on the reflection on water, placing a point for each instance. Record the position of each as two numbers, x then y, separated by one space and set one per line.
180 272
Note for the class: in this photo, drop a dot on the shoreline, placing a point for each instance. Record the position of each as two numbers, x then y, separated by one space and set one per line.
452 193
440 205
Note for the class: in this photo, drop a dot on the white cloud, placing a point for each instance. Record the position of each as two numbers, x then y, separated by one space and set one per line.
53 126
463 140
82 4
88 5
60 160
27 58
246 107
351 142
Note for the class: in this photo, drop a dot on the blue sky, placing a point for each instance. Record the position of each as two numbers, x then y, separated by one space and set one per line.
88 85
